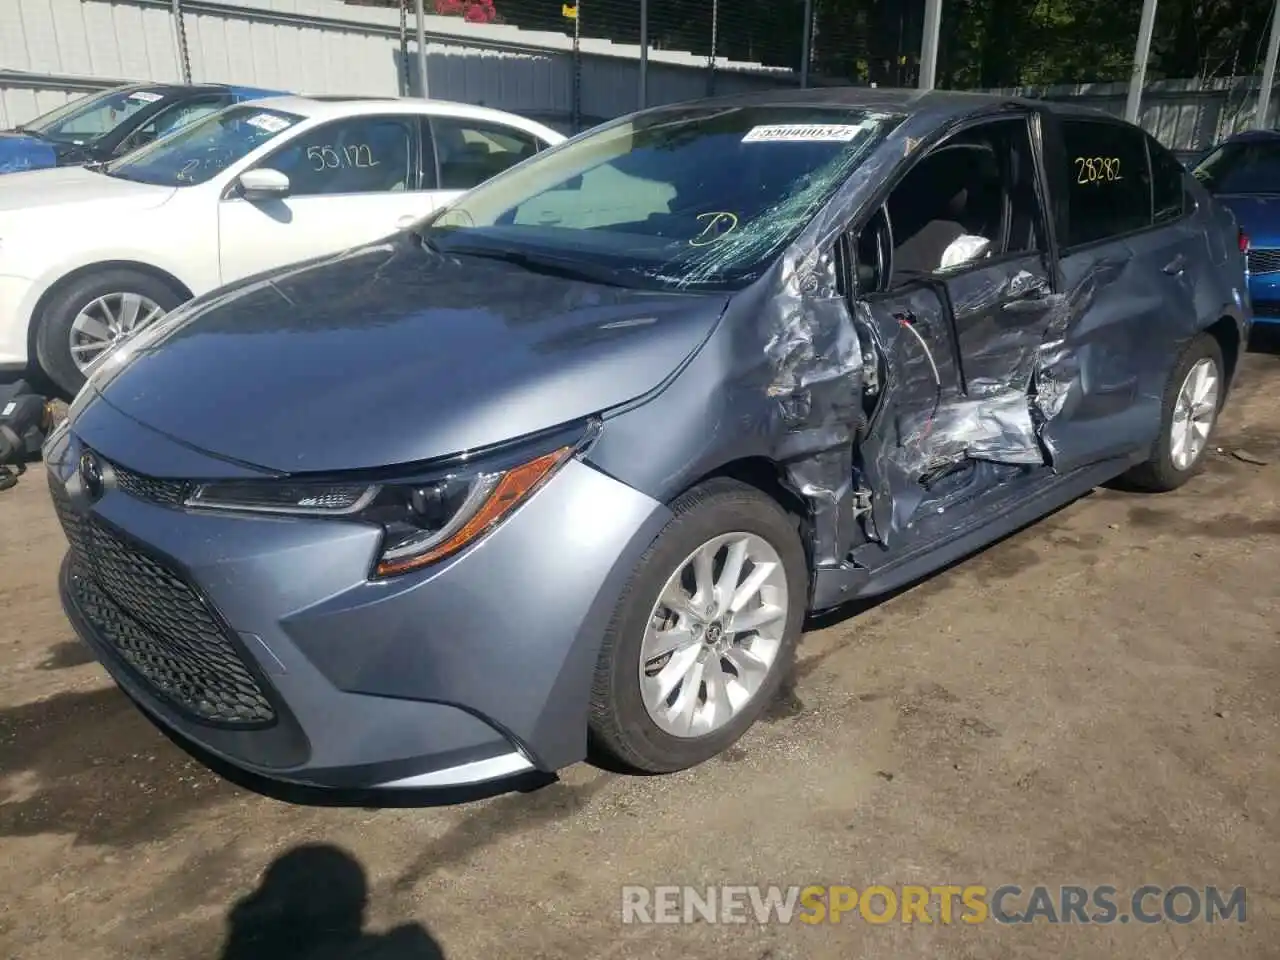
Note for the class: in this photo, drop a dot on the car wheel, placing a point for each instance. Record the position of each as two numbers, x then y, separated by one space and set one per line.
1192 400
97 311
705 631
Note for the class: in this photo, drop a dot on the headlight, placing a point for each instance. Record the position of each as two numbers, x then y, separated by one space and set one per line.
424 518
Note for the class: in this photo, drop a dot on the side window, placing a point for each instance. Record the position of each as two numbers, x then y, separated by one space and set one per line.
469 152
169 120
1169 197
1108 182
971 198
356 155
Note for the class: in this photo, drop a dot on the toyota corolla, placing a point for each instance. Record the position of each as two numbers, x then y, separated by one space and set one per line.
565 465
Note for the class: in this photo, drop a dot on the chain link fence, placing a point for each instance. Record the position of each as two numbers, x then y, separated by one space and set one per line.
575 63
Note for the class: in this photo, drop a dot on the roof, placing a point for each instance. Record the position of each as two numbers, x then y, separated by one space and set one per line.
192 89
1246 135
335 107
943 104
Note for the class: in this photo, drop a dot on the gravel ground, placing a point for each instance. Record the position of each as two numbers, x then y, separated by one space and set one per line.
1093 701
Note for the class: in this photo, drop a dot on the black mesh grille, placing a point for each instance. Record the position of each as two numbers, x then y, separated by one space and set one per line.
1264 261
158 625
169 493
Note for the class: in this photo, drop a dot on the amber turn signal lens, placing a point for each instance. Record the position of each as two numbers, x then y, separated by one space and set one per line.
515 486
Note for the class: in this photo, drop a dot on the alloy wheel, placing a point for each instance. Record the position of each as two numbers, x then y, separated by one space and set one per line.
713 635
1194 413
108 321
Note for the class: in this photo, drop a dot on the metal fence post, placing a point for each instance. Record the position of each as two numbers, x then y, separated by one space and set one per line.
807 53
577 66
929 44
644 54
422 50
715 36
1260 116
180 41
1141 53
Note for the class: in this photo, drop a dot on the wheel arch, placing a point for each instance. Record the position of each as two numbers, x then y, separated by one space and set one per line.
1226 331
767 477
88 269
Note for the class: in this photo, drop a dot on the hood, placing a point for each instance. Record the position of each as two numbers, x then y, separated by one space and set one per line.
20 152
75 188
390 354
1258 216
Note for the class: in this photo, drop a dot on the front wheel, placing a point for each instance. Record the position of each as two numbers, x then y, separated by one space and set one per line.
704 633
93 314
1192 400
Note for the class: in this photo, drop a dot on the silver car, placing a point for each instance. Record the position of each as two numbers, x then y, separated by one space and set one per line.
562 469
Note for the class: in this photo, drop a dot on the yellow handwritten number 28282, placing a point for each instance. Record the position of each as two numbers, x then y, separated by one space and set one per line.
1097 169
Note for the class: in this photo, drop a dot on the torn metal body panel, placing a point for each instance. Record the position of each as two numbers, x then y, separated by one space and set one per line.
894 416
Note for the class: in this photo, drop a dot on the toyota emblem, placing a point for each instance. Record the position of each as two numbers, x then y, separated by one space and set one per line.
91 476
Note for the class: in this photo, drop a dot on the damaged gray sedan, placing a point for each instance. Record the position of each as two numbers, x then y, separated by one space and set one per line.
566 466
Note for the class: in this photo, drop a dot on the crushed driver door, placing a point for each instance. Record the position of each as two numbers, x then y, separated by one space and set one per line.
958 342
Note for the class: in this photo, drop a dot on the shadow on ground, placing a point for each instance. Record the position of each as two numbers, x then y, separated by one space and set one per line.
311 905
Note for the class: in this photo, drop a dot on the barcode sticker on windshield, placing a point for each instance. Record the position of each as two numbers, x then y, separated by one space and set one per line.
265 121
143 97
810 133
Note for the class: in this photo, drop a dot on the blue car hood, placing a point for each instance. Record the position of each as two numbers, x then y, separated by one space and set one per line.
19 152
1258 216
391 354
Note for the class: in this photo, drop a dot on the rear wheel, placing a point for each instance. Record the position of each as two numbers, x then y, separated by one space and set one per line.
1192 400
94 313
705 632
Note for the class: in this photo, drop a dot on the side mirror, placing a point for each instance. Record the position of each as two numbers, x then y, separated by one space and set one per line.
263 184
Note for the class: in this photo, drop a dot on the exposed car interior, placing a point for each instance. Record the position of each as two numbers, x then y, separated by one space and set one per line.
972 197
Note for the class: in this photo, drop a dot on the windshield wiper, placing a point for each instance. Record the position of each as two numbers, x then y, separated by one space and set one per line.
423 240
541 263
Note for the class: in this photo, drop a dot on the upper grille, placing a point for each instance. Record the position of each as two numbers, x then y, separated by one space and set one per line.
1264 260
158 625
169 493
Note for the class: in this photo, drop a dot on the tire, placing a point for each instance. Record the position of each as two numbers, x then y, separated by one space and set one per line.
621 725
56 321
1163 471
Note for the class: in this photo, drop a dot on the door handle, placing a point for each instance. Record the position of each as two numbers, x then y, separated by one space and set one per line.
1176 266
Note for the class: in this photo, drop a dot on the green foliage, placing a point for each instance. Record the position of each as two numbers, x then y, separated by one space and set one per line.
985 43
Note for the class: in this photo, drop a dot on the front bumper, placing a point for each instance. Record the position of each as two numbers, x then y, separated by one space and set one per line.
301 671
14 321
1264 295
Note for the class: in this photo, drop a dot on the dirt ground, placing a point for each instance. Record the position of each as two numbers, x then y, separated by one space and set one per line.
1094 700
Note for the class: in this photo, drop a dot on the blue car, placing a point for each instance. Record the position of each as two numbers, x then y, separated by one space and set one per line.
1243 172
100 126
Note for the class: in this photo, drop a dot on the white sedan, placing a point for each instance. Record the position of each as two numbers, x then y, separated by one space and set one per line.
88 257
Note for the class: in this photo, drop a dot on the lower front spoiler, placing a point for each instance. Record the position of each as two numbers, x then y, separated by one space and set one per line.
424 781
450 786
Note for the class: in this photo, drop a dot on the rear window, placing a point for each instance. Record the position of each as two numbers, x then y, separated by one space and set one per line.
1108 181
1242 167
